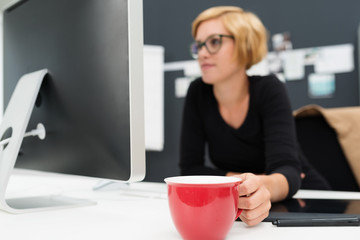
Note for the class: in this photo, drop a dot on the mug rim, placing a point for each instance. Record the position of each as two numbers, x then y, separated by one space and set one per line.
202 180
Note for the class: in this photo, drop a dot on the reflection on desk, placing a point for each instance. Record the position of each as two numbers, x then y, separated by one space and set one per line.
143 214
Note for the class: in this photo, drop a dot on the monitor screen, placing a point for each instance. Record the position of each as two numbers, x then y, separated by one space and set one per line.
91 101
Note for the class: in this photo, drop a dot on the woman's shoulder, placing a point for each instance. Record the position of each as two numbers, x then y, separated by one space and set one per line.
265 81
267 85
268 89
198 95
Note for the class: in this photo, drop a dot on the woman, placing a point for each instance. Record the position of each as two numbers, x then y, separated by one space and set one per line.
245 122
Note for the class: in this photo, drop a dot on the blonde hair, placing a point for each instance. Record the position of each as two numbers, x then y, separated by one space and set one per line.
249 32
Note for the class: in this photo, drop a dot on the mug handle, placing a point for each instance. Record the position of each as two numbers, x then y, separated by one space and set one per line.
239 211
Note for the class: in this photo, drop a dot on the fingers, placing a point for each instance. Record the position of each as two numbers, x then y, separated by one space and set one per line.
253 221
254 199
249 184
255 208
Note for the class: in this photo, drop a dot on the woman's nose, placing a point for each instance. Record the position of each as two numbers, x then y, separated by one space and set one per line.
203 52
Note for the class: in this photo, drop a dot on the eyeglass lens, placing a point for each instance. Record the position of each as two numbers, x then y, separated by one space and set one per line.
212 44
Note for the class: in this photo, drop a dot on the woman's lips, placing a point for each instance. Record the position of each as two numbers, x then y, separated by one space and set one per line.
206 66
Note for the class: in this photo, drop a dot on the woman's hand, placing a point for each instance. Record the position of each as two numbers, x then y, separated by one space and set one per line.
254 199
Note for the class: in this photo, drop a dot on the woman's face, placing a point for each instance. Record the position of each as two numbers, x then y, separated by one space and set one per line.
220 66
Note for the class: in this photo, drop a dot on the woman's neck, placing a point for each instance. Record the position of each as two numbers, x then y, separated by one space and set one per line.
232 91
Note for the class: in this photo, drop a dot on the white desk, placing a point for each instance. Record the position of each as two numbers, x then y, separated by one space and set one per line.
119 215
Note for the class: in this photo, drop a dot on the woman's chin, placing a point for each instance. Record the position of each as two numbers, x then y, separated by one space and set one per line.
208 80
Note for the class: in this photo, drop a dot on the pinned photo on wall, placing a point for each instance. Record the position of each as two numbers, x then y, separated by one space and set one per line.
275 62
294 65
321 85
335 59
311 55
281 41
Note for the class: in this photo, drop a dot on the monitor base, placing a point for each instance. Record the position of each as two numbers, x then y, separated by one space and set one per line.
43 203
110 185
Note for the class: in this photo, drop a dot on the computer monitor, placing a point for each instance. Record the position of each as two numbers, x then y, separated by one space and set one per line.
91 99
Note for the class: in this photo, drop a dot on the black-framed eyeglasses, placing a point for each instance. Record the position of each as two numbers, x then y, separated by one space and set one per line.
212 44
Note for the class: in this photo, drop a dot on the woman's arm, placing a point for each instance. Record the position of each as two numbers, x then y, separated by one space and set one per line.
282 177
281 149
277 185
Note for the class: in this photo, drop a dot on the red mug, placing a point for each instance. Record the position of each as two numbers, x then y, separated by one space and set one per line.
203 207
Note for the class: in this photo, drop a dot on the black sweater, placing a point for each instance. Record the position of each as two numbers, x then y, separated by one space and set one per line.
264 143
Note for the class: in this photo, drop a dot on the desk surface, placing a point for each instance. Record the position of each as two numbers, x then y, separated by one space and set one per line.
138 211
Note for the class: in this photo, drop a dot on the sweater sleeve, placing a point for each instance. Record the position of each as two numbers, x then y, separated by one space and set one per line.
192 140
281 150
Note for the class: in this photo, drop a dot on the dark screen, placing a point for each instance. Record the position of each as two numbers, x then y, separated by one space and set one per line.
314 208
84 100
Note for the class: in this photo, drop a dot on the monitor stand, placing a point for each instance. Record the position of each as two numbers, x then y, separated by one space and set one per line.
15 121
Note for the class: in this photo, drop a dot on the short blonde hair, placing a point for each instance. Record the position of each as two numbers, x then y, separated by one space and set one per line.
249 32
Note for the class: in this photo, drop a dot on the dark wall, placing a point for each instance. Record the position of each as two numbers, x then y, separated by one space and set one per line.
311 23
